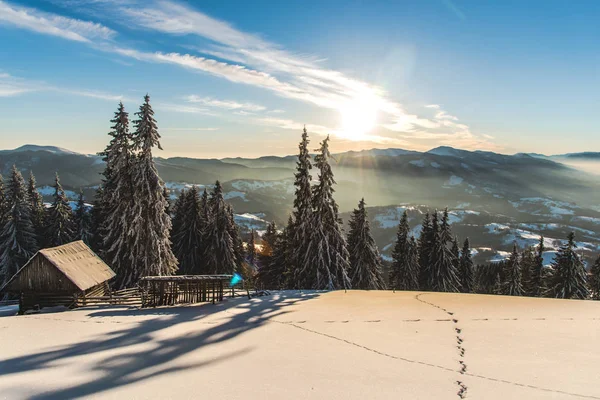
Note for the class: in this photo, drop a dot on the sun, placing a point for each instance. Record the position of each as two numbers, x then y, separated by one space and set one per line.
357 118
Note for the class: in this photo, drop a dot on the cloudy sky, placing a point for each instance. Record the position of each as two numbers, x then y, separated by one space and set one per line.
231 78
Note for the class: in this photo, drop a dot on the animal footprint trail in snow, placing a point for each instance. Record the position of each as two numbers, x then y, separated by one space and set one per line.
462 388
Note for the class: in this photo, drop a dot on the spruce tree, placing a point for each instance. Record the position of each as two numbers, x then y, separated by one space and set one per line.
456 258
512 286
465 273
594 280
3 204
219 254
17 236
445 231
324 264
443 273
271 273
251 253
236 237
38 211
60 228
150 224
536 284
299 233
404 272
365 261
268 241
82 220
97 219
115 202
289 269
179 212
568 278
188 241
528 264
425 248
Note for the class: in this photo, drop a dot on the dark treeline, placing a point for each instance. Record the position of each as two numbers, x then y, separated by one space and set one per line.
135 229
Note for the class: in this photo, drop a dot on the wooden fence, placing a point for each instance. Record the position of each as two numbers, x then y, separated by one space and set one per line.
183 289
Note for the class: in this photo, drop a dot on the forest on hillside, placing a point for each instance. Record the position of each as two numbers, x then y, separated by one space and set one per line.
135 229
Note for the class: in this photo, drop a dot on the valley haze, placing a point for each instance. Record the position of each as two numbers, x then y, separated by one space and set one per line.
494 199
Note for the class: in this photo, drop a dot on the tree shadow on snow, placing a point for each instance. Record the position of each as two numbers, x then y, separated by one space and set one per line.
159 354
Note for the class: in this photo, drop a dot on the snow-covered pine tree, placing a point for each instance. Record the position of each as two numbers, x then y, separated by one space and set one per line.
97 219
445 231
168 207
456 257
568 278
251 253
236 237
512 286
38 211
268 241
205 206
425 248
179 211
536 284
325 262
365 270
82 220
594 280
300 232
150 225
3 205
443 274
17 236
527 267
404 272
188 242
465 272
289 270
219 255
272 271
60 228
115 201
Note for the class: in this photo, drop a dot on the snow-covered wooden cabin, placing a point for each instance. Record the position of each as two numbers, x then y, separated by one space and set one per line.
60 276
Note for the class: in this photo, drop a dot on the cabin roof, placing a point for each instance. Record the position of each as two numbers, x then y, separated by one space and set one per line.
77 262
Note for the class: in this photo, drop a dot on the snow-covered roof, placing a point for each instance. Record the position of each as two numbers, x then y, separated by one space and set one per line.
76 261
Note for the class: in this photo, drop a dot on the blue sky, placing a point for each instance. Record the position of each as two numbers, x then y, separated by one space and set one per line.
241 78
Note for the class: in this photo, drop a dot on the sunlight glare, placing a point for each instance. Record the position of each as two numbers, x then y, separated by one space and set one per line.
357 118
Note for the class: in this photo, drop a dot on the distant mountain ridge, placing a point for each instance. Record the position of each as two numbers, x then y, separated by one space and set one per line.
438 177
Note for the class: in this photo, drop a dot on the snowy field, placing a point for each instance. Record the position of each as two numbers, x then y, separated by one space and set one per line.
355 345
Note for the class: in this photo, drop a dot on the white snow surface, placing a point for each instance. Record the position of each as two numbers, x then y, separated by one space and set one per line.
356 345
178 186
233 194
454 181
249 185
435 165
391 218
251 221
593 220
500 256
495 227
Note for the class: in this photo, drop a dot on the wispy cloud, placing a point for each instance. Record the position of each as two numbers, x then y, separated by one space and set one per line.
190 129
226 104
52 24
248 59
184 108
14 86
11 86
